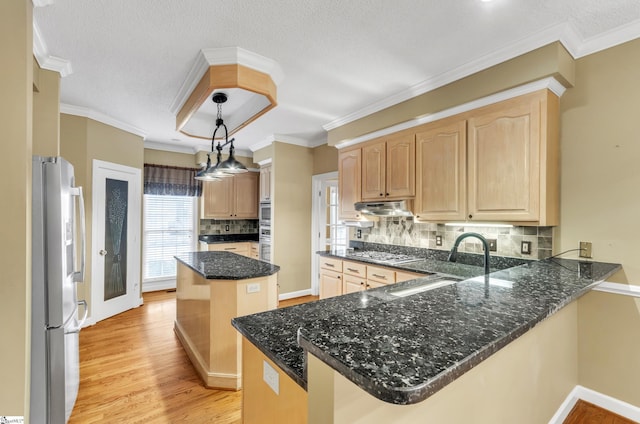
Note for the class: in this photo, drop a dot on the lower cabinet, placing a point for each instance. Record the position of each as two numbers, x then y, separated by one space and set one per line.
339 277
243 248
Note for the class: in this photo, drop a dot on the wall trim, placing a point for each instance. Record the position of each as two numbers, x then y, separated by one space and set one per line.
618 288
549 83
607 402
291 295
159 285
100 117
41 52
266 161
286 139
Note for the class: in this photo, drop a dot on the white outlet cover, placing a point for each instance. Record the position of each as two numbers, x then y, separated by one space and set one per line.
271 377
253 288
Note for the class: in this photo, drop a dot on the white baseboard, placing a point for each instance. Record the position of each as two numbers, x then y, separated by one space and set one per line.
617 288
150 286
291 295
607 402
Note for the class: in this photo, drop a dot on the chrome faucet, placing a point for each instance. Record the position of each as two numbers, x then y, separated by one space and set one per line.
454 250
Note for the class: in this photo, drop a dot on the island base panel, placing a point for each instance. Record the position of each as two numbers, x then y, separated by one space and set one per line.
260 403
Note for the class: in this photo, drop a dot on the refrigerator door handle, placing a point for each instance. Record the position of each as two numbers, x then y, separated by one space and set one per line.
78 276
82 303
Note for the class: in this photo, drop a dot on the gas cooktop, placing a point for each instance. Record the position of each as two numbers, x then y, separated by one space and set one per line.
383 257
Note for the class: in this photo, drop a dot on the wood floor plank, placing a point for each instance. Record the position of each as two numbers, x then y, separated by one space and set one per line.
133 369
588 413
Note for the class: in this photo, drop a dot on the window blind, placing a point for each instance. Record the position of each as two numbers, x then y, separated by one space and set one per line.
169 229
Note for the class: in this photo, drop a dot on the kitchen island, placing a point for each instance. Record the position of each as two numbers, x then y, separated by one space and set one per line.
363 355
213 288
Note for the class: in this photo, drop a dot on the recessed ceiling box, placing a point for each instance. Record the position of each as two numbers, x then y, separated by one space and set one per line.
248 79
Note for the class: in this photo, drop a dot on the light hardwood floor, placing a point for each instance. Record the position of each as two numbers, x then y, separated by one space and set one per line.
133 370
588 413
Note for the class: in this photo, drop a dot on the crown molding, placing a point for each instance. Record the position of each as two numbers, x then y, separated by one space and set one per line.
223 56
547 83
286 139
101 117
42 3
45 60
159 145
264 162
564 33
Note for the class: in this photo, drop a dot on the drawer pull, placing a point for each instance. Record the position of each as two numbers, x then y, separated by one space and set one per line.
352 270
330 265
362 283
384 277
230 248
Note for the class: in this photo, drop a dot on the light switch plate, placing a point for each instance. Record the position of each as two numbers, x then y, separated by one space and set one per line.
525 248
271 377
253 287
493 245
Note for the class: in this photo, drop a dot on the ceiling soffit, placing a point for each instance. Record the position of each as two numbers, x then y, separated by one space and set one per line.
249 81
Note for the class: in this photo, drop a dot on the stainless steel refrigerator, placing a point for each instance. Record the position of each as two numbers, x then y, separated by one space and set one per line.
58 258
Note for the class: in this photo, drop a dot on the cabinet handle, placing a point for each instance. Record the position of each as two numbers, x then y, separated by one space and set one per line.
387 194
381 194
330 265
339 277
362 283
380 276
230 248
470 216
352 270
368 286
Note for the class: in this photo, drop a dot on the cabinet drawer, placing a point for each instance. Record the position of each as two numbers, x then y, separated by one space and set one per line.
241 248
382 275
406 276
354 268
331 264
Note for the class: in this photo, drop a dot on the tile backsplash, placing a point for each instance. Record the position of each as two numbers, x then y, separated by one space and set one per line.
406 232
236 226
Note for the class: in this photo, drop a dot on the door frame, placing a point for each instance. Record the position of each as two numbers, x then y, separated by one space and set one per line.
318 210
134 232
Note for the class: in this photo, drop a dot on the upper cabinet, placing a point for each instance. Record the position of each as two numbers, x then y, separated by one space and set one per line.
265 183
388 168
231 198
441 162
513 161
349 182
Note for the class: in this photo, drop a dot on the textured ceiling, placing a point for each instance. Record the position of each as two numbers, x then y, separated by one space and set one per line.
130 57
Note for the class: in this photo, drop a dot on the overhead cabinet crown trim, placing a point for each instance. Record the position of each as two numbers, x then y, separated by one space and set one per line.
547 83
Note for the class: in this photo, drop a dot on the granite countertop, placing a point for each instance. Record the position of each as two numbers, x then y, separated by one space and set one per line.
402 350
228 238
226 265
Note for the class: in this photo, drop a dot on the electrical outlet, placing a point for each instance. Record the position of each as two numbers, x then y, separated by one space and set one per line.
493 245
253 288
358 233
585 249
226 227
438 240
525 247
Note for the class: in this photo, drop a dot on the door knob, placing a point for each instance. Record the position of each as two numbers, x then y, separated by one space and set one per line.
103 252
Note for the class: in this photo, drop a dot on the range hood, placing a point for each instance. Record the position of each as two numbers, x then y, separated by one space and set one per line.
387 208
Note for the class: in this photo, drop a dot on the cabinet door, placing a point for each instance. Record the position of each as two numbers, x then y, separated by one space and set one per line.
217 199
441 164
265 183
349 187
504 161
373 171
330 284
353 284
400 175
246 195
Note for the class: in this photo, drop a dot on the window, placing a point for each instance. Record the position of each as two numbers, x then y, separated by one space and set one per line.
169 229
336 234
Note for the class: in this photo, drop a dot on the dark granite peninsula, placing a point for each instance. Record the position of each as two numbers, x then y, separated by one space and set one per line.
212 288
460 352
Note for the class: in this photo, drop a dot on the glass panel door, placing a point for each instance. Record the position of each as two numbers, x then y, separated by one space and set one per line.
115 237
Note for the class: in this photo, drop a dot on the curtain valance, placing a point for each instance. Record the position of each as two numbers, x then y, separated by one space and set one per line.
171 181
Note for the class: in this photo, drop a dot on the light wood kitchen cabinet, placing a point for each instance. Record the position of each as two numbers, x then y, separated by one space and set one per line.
380 275
349 183
231 198
265 183
254 251
354 277
513 152
441 171
330 277
388 168
241 248
406 276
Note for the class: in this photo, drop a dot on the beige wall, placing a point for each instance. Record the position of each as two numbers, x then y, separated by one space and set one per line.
600 203
551 60
162 157
16 111
263 154
46 113
325 159
525 383
81 141
291 174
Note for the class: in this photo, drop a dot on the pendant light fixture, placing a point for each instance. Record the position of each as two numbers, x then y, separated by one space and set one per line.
231 165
